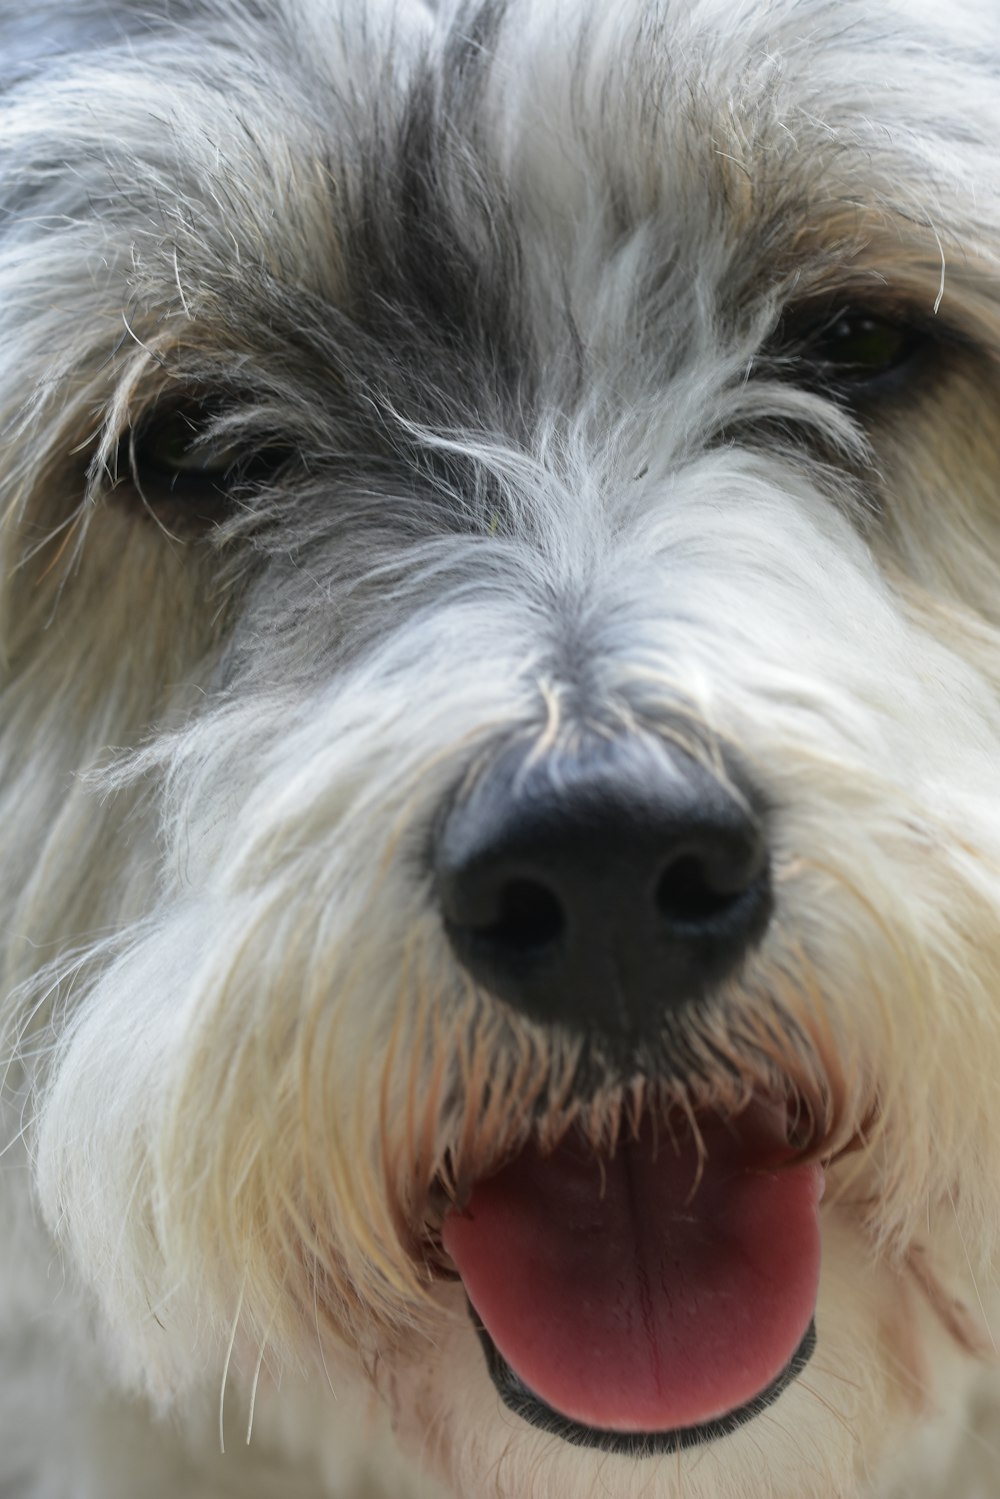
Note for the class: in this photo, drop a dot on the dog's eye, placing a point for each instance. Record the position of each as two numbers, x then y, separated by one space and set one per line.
854 349
184 455
857 345
176 448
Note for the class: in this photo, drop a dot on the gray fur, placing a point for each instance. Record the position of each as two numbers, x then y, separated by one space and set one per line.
508 314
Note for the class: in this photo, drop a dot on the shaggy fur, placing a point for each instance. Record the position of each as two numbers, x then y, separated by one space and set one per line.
508 312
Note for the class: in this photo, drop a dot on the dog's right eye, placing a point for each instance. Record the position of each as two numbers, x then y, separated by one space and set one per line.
176 448
186 456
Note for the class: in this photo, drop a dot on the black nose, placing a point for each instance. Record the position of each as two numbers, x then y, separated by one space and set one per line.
603 887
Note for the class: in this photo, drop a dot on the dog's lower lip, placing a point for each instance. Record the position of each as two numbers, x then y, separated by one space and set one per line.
636 1444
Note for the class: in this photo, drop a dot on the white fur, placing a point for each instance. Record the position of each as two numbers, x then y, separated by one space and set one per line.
238 1049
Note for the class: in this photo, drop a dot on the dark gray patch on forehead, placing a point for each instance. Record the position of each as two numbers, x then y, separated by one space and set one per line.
431 253
427 335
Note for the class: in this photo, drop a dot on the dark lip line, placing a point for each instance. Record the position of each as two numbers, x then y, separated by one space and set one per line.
636 1444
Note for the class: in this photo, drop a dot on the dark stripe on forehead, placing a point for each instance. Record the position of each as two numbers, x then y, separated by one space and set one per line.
432 259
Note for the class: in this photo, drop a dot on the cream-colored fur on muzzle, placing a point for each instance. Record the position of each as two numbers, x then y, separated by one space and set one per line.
381 385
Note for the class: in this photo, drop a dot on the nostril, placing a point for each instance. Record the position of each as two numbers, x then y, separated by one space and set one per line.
686 895
529 916
602 886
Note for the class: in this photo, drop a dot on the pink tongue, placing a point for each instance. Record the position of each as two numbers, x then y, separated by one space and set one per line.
629 1302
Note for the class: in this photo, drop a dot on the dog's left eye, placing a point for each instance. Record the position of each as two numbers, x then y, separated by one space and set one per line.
854 348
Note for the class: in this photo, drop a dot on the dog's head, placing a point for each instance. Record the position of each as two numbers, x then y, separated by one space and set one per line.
501 712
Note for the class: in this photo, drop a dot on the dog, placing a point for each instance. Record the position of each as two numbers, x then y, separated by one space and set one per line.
499 745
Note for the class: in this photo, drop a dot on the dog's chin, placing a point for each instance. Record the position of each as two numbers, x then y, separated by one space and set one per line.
650 1299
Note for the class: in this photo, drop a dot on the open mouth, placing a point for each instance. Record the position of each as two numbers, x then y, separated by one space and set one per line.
653 1299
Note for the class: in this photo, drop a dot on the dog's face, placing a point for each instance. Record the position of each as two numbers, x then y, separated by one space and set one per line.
501 713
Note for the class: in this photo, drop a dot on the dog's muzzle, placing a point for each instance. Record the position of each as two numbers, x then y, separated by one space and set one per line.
602 887
661 1293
